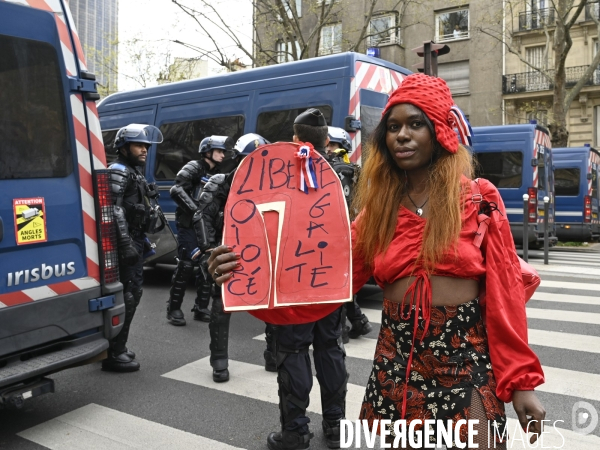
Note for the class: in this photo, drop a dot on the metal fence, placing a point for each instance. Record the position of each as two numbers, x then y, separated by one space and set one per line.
535 81
534 20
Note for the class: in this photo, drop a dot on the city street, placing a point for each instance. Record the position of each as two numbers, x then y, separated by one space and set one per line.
173 403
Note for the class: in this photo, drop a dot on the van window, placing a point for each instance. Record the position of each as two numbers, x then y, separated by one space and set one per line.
108 137
541 172
370 116
278 126
503 169
33 119
182 139
566 182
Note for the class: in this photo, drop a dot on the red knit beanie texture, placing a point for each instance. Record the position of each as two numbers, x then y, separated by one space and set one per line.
433 97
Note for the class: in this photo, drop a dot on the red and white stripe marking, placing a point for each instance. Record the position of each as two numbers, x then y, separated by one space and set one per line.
90 156
374 78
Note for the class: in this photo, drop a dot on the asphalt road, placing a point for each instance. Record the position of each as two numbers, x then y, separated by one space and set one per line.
173 403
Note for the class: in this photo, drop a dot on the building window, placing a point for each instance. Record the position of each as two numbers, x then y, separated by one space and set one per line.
383 30
331 39
285 52
289 4
535 80
456 75
452 25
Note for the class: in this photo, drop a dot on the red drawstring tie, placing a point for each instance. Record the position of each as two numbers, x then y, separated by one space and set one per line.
484 222
419 294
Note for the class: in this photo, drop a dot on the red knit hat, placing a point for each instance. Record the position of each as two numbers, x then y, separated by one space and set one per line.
433 97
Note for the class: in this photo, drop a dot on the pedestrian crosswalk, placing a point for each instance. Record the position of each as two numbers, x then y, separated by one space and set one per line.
567 382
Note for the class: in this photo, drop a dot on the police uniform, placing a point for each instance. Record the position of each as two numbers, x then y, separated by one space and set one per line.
136 213
348 175
208 224
186 191
294 367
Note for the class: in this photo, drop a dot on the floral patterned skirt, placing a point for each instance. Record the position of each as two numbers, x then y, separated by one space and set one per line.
447 366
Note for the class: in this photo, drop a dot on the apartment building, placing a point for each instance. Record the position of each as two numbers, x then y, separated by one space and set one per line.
527 93
97 25
473 68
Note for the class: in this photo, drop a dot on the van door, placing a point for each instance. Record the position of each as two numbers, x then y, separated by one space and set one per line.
42 242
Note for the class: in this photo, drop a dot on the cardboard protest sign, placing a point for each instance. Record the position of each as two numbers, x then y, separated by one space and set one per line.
287 217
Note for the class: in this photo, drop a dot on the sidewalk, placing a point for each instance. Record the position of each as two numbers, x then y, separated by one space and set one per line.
593 247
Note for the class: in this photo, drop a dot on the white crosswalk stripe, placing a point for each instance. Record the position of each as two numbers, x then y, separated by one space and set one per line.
94 427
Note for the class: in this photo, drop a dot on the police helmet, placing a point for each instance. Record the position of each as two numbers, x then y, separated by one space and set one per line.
140 133
213 142
341 137
247 143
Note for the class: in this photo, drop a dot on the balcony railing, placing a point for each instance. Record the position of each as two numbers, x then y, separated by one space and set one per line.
375 41
535 20
535 81
454 36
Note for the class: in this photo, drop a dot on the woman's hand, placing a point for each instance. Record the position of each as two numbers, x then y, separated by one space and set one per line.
529 409
221 263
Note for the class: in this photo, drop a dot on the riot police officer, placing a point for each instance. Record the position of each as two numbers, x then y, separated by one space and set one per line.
338 149
188 183
208 224
136 213
292 343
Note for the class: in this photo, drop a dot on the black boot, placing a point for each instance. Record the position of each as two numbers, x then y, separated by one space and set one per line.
331 430
119 363
360 327
219 340
129 353
220 376
288 440
175 315
178 285
291 408
204 284
201 314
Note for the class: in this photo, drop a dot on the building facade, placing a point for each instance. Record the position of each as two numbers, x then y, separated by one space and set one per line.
97 25
528 93
473 68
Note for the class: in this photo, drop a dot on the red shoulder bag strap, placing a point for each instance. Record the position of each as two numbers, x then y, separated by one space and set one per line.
482 219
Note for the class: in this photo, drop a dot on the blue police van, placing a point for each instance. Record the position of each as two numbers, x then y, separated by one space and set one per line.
517 159
350 89
60 296
576 191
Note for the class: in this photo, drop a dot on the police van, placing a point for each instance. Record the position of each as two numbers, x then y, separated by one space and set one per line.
517 159
60 295
577 194
350 89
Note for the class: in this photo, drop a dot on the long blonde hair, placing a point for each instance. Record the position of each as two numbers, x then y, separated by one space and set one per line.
380 190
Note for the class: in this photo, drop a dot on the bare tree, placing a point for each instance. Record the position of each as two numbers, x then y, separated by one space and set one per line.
277 21
557 33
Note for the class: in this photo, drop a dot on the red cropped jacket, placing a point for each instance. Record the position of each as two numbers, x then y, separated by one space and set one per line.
495 265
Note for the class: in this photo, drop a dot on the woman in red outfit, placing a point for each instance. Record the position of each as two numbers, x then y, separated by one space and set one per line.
453 339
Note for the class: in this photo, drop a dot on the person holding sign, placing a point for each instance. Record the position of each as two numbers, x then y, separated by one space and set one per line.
293 341
453 339
208 228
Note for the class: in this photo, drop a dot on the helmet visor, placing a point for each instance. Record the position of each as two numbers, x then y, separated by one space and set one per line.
147 134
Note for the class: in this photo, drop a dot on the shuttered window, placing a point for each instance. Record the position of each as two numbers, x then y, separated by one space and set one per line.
456 74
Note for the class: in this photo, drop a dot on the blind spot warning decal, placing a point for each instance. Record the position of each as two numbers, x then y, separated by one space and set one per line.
30 220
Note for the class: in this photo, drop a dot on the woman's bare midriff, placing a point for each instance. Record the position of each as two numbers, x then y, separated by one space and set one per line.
446 291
